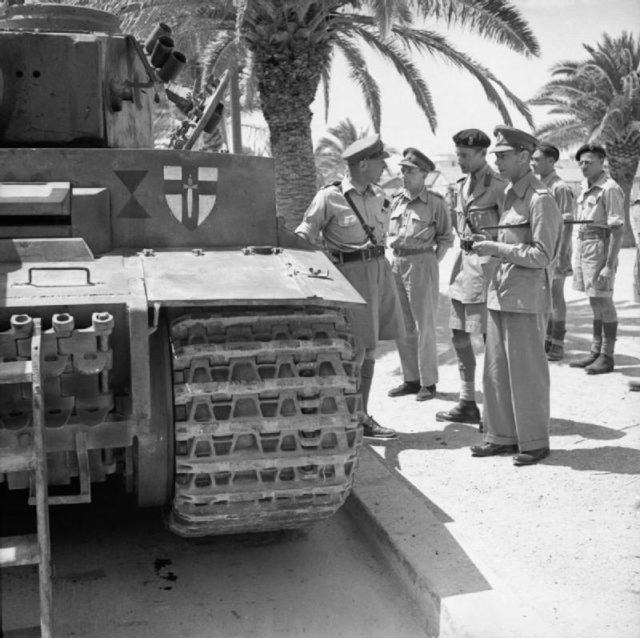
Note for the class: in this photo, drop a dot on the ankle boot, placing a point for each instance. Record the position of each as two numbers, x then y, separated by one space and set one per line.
585 361
596 346
603 364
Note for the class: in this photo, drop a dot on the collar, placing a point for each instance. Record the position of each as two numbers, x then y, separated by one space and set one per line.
549 178
423 195
599 183
520 187
347 185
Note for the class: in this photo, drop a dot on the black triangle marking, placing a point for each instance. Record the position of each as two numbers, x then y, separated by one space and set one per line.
133 209
131 179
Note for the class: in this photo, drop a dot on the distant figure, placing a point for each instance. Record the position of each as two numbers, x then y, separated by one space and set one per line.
352 218
634 218
420 234
544 160
601 205
478 203
516 372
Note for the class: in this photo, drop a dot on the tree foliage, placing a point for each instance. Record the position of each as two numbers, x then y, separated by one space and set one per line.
597 99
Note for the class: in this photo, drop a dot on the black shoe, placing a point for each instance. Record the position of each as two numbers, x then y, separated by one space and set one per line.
531 456
492 449
426 392
555 352
634 385
408 387
463 412
373 430
602 365
585 361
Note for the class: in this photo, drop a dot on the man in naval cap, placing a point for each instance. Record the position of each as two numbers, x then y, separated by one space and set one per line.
351 218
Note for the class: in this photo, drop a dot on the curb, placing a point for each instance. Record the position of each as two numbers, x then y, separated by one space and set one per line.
453 597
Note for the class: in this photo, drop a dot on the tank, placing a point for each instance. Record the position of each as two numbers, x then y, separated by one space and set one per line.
189 347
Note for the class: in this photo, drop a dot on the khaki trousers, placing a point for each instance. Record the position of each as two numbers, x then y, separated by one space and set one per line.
516 380
417 281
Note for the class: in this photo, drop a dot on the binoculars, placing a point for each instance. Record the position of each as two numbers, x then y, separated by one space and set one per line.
159 46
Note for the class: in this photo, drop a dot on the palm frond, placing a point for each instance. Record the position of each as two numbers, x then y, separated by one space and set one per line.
405 66
363 79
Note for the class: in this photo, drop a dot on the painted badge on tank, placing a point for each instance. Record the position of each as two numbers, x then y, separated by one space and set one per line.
190 192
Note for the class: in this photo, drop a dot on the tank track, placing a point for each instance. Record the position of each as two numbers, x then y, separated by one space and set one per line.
267 427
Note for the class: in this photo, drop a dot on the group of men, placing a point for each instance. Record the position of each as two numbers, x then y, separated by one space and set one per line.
507 283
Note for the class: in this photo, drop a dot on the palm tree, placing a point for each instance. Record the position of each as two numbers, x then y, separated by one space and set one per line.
288 47
598 100
328 152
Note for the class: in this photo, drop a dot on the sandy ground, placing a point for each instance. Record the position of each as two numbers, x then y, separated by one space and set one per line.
562 536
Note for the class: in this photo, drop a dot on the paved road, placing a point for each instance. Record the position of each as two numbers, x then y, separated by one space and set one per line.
119 574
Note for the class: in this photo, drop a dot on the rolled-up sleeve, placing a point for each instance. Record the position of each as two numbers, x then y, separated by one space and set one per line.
613 199
315 219
545 221
565 199
444 233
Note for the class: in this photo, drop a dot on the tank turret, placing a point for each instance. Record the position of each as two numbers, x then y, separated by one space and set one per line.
69 77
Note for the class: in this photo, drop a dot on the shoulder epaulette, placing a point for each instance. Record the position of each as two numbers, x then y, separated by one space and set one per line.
461 179
434 193
333 185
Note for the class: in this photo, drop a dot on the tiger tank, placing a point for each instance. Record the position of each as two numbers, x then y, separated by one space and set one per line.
190 348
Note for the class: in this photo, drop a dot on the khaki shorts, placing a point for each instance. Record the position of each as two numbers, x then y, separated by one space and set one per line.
468 317
590 257
381 318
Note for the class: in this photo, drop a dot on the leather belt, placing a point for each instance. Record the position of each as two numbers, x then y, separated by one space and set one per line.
594 232
405 252
367 254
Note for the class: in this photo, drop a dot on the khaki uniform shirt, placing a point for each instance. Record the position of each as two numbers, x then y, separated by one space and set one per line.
482 207
565 199
330 218
522 280
562 193
602 203
419 222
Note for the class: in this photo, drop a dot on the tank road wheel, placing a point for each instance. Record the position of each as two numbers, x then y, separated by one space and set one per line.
153 452
267 429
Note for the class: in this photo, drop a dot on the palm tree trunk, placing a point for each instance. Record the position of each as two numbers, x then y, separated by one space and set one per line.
623 164
288 79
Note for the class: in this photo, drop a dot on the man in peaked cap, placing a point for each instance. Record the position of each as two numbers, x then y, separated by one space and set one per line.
351 218
601 205
543 163
478 203
420 234
516 372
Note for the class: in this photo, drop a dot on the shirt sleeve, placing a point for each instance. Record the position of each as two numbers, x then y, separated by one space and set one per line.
444 233
545 221
565 200
315 219
613 199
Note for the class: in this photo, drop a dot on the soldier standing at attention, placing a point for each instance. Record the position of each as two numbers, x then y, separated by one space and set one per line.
516 372
420 234
479 203
544 160
601 204
352 219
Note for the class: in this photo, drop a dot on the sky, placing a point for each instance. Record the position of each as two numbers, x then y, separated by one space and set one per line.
561 26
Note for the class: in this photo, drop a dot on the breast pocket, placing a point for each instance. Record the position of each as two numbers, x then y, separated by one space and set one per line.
345 221
419 227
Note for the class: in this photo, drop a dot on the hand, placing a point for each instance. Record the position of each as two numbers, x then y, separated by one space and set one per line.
483 248
603 279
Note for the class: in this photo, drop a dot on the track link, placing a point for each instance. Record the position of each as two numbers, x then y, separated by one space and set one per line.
266 419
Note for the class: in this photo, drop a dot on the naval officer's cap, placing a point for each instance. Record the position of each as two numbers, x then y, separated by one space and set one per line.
365 148
416 159
472 138
513 139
